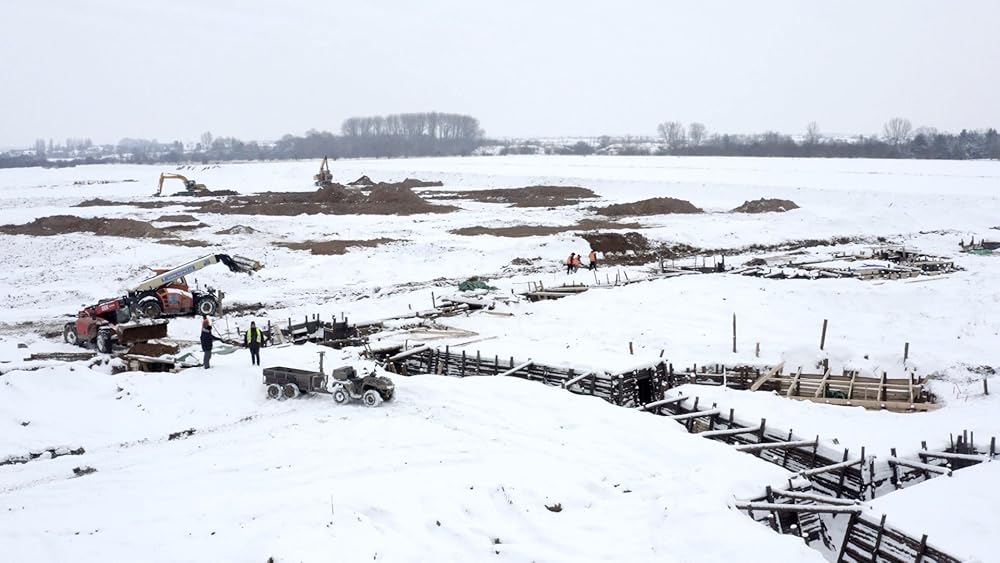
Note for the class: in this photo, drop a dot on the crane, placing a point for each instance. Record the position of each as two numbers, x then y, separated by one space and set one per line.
189 185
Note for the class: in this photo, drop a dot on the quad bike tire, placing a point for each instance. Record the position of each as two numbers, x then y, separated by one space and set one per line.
340 395
274 391
70 335
371 398
289 391
104 344
207 306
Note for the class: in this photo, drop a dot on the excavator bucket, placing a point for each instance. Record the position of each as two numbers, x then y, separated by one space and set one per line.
239 264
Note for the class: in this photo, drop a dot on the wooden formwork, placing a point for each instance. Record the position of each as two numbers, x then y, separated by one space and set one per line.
635 387
849 388
868 541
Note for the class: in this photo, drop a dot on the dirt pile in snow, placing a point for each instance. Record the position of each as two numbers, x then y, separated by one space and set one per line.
176 218
336 199
64 224
516 231
617 243
332 247
654 206
363 181
152 349
98 202
763 205
531 196
190 243
238 230
175 228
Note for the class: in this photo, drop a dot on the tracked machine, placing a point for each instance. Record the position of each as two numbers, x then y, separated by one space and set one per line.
189 185
324 178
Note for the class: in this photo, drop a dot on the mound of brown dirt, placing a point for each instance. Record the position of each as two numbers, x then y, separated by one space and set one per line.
176 218
190 243
334 199
330 247
238 230
542 230
531 196
98 202
617 242
63 224
194 227
362 181
152 349
654 206
763 205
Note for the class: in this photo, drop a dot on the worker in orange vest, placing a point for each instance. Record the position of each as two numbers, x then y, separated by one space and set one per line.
569 262
593 259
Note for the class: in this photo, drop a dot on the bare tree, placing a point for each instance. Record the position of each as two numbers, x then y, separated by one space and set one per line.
673 133
697 133
206 139
897 130
812 133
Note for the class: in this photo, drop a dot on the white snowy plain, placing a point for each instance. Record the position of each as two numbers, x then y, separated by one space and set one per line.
311 481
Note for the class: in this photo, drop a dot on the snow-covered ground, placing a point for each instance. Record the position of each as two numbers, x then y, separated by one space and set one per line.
300 481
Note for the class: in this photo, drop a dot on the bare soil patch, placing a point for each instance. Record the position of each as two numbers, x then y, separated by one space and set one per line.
763 205
238 230
335 200
517 231
174 228
333 247
531 196
98 202
654 206
152 349
363 181
176 218
190 243
63 224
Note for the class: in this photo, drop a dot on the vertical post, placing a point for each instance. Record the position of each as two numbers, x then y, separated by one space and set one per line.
906 352
895 470
433 301
630 350
847 535
822 338
986 386
756 353
734 333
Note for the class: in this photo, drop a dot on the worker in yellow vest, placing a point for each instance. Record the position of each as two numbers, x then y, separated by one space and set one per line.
253 339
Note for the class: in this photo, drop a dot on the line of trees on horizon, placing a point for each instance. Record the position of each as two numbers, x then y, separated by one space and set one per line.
448 134
898 139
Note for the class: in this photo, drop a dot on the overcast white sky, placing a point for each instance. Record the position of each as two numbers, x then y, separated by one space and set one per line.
257 69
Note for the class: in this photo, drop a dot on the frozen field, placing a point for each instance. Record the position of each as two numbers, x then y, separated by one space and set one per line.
463 469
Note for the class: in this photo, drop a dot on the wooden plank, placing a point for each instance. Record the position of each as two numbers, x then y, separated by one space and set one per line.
729 432
694 414
776 445
763 379
824 508
795 380
663 402
822 499
850 388
896 406
917 465
820 391
578 379
516 369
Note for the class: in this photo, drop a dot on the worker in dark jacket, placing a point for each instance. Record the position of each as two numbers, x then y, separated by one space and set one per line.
253 340
207 339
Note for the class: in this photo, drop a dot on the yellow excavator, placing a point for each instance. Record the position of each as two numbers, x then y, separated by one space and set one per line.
325 177
189 185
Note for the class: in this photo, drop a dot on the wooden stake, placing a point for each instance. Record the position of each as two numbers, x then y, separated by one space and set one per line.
756 353
433 301
630 350
734 333
986 386
906 352
822 338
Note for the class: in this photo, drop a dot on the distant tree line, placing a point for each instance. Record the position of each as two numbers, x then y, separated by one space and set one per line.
898 139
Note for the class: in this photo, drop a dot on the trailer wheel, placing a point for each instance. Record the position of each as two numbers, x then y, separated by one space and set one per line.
371 398
104 342
274 391
69 334
290 391
207 306
340 395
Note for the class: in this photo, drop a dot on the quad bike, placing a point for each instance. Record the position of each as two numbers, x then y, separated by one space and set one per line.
289 383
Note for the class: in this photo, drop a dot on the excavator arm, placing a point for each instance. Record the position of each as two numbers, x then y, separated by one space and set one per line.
189 185
236 264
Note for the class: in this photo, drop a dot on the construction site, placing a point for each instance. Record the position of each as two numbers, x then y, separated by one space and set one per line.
817 362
